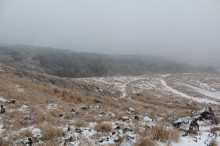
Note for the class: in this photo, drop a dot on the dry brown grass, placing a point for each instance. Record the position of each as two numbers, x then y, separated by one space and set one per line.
215 129
213 143
50 132
81 123
160 133
146 142
103 127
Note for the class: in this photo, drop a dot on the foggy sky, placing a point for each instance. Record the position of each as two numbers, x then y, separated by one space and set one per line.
187 30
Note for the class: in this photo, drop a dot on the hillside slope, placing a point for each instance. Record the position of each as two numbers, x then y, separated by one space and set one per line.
38 109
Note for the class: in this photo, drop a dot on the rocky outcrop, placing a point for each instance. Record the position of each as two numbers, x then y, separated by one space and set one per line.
190 123
207 115
186 123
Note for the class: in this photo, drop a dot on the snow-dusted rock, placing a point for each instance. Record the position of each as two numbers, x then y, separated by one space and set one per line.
73 112
27 141
186 123
150 124
101 113
147 118
207 115
191 103
27 117
86 107
11 101
126 142
2 109
130 110
124 118
78 130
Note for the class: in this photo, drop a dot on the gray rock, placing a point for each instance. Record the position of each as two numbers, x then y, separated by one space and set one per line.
2 109
191 103
124 118
207 115
27 141
11 101
186 123
130 110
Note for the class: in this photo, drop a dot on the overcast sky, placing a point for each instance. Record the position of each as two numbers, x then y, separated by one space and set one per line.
178 29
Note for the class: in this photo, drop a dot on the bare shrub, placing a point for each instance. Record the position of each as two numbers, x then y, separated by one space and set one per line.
146 142
79 123
160 133
103 127
213 143
214 129
50 132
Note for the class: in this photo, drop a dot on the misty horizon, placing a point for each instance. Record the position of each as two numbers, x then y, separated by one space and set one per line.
185 31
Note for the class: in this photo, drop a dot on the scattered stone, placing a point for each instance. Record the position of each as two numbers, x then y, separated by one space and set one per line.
51 105
11 101
78 130
183 133
86 107
73 112
68 128
97 106
61 116
27 141
2 109
191 103
126 142
124 118
150 124
130 110
125 130
67 139
207 115
103 138
27 117
136 117
186 123
111 114
101 113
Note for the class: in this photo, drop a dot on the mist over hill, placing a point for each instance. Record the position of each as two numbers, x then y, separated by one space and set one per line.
67 63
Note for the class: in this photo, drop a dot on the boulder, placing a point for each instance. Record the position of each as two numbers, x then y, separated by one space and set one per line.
207 115
2 109
186 123
27 141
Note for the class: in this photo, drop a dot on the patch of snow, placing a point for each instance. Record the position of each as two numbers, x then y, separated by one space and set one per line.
2 99
36 132
52 105
166 75
201 100
147 118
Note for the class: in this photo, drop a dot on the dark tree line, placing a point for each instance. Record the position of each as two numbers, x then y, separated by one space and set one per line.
66 63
